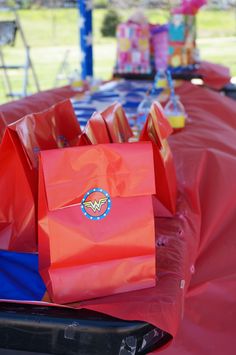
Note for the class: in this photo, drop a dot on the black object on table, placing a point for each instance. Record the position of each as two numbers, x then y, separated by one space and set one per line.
230 90
28 329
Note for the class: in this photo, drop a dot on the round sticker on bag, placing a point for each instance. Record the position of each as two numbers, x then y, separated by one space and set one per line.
96 204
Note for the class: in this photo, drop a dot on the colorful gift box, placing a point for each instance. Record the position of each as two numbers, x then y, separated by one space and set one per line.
159 45
182 39
133 48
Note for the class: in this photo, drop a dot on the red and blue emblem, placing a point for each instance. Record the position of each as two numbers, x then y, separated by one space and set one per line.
96 204
62 141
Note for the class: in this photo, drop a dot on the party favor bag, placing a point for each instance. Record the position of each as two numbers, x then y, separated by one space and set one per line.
22 141
117 123
83 139
56 127
2 125
96 224
157 129
17 217
96 129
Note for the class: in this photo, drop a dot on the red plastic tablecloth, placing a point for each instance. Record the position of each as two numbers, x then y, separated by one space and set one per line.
196 290
205 155
196 250
199 243
215 76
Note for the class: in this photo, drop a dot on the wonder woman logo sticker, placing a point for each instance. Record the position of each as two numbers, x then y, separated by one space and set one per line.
62 142
96 204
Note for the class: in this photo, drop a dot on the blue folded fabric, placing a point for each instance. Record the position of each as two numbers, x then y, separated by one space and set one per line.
187 69
19 277
131 104
104 95
109 99
76 103
134 96
87 108
140 90
83 114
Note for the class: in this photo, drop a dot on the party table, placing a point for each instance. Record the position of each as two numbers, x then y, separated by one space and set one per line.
193 302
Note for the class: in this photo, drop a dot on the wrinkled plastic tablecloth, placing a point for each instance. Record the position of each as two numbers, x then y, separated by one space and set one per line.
215 76
206 163
194 299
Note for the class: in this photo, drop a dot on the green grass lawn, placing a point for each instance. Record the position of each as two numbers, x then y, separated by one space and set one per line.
51 32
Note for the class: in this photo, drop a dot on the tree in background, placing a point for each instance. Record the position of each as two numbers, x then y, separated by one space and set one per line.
110 22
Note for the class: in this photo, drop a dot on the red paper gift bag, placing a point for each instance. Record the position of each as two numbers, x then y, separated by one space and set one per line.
83 139
117 123
19 150
2 125
157 129
17 214
96 223
56 127
96 129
